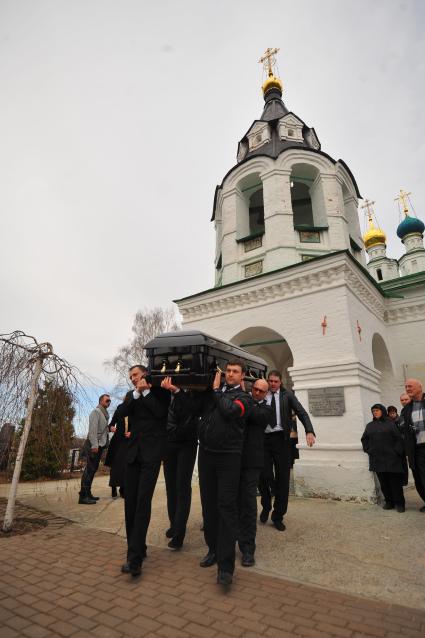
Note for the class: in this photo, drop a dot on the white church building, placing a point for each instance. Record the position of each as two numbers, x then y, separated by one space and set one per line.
292 286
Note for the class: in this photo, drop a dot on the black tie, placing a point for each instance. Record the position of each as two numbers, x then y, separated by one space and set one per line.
273 418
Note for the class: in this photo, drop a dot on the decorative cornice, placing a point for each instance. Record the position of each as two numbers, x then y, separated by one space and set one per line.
308 277
405 313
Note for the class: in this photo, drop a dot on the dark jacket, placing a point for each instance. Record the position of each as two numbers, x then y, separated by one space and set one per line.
288 404
383 442
183 416
147 419
408 432
222 421
253 445
118 420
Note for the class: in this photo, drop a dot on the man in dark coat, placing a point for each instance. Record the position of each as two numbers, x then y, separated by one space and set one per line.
277 449
146 408
221 413
412 419
383 442
179 460
116 457
252 463
221 431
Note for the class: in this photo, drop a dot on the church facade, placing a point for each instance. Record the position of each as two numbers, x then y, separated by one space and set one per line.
292 286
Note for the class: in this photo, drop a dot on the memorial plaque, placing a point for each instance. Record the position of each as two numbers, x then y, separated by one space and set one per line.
326 401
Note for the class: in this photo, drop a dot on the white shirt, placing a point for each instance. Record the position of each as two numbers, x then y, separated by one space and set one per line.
137 395
278 422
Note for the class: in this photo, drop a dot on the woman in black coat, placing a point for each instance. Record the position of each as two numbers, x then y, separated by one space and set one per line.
383 442
117 452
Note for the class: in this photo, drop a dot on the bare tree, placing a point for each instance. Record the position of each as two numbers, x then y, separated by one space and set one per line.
147 324
24 364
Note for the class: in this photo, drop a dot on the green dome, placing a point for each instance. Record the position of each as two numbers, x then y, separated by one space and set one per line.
410 225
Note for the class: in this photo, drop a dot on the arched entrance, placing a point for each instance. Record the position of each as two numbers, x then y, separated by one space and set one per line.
271 346
382 362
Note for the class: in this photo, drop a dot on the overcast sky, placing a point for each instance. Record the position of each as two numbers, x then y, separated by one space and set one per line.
118 118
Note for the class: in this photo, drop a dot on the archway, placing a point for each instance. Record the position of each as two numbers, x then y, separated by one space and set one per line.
307 197
271 346
382 362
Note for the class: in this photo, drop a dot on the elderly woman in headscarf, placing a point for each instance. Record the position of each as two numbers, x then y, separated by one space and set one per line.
383 442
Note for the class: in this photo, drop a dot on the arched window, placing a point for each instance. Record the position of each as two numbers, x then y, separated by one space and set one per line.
301 204
256 213
307 199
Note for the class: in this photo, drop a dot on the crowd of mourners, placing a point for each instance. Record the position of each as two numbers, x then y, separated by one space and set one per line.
394 442
245 443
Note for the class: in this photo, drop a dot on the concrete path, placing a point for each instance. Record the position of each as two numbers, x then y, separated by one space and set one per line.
347 547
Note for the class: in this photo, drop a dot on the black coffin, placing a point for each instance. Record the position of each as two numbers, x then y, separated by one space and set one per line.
192 357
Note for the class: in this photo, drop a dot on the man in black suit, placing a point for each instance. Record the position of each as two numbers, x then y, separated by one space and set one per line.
252 463
277 449
146 408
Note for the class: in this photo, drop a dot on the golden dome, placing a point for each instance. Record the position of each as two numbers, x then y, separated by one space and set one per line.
373 236
272 82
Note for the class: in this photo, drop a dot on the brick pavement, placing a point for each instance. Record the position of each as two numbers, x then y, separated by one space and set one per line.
65 580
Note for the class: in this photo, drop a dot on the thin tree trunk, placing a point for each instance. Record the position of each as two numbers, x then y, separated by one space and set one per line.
10 509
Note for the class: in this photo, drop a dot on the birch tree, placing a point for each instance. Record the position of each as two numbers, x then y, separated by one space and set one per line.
26 364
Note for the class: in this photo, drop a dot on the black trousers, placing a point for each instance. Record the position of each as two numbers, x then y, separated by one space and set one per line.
247 502
92 465
420 488
275 474
178 469
219 474
140 481
392 487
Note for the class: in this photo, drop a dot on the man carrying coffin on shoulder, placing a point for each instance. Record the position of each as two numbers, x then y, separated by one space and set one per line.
252 463
146 408
223 410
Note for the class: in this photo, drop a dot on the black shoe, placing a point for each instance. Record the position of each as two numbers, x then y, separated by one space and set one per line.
248 560
209 560
400 508
422 509
169 533
264 515
224 578
279 525
135 570
86 500
114 493
95 498
175 545
122 492
125 568
388 506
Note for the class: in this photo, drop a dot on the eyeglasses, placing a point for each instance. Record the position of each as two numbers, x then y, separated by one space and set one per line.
108 400
254 389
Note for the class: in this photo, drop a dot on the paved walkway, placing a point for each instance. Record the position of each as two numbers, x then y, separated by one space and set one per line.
64 580
353 548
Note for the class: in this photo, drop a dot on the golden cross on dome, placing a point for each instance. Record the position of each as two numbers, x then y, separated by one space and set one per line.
368 205
402 199
269 59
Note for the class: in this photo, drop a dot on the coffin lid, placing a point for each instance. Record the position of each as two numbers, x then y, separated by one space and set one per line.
196 338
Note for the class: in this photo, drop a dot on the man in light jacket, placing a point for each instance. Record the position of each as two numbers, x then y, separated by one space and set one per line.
97 440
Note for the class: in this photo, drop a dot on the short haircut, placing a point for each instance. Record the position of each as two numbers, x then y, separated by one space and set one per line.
104 395
391 408
274 373
236 362
138 365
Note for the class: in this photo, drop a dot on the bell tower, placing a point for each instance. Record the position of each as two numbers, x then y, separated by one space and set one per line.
285 200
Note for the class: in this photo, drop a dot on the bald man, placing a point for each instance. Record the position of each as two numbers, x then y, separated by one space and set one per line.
412 418
252 462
